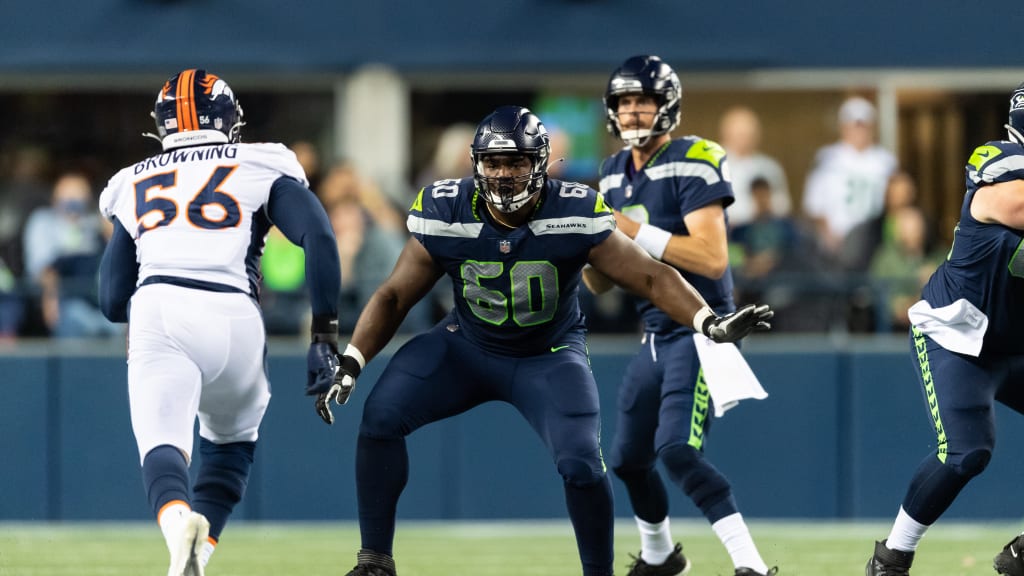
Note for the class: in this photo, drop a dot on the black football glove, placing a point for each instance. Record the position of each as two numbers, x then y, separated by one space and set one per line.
735 326
341 388
326 377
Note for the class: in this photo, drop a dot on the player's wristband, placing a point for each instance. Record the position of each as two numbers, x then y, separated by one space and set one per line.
653 239
702 317
325 329
354 352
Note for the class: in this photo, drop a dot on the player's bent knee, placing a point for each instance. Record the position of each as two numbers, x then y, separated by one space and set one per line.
972 463
580 472
383 422
680 456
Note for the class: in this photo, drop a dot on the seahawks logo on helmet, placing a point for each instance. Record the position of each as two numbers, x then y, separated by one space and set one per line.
1015 125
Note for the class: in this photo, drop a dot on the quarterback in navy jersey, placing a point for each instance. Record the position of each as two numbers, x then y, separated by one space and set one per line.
670 196
189 227
513 241
966 347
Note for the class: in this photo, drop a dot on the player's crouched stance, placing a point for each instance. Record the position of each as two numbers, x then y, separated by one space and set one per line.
189 226
513 242
965 342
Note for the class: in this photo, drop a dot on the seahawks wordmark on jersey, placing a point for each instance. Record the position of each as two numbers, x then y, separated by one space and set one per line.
516 290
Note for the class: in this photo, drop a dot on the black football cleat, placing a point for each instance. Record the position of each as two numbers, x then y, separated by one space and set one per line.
751 572
886 562
1010 562
370 563
675 564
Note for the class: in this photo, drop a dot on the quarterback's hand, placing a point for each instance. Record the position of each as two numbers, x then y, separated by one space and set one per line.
342 385
733 327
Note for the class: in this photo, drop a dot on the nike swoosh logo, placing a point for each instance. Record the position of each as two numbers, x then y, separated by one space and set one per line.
557 348
1013 551
985 154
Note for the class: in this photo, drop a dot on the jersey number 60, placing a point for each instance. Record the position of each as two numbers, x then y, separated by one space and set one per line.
534 295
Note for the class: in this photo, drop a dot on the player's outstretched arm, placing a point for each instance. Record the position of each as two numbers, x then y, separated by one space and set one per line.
626 264
119 272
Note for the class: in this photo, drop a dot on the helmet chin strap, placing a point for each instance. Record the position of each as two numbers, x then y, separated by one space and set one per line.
1014 134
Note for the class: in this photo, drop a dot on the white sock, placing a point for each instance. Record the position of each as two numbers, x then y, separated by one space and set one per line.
204 556
735 536
655 541
170 518
906 533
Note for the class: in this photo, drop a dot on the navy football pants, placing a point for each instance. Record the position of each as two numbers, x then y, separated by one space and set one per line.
440 374
664 411
960 394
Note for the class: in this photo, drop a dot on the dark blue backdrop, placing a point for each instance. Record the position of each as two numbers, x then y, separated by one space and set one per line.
838 437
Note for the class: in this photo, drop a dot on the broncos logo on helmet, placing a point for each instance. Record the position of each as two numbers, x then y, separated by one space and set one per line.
195 108
511 131
644 75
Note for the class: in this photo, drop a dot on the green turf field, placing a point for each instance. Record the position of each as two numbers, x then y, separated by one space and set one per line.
476 549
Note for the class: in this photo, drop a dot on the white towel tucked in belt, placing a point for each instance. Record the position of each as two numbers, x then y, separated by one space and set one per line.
726 373
958 327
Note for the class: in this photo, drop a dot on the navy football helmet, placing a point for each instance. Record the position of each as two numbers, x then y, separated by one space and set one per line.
195 107
511 130
1015 126
644 75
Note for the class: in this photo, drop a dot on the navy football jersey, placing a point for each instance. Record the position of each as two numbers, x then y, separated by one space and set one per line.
684 175
986 264
516 291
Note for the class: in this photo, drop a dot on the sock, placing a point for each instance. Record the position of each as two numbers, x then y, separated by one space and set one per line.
906 533
655 541
733 533
208 548
170 518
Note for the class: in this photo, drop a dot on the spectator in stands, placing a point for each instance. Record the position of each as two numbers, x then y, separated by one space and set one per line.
309 158
63 245
847 184
900 267
865 239
451 156
342 180
740 133
25 188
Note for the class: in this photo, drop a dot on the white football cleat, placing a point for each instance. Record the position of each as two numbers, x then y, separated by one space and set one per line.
189 542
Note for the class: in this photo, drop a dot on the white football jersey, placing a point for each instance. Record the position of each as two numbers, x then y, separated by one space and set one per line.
199 212
847 186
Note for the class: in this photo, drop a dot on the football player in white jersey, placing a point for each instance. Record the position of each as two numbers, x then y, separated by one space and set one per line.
183 264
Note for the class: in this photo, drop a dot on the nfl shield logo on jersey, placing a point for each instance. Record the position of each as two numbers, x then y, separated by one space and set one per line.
505 246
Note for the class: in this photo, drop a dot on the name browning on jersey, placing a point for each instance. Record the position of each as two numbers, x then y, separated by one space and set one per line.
187 155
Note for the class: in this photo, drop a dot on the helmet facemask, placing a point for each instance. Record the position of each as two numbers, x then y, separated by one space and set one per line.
510 158
649 76
507 193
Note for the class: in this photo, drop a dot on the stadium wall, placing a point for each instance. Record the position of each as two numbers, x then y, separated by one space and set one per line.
838 437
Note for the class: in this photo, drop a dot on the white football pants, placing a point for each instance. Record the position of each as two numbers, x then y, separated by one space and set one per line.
195 352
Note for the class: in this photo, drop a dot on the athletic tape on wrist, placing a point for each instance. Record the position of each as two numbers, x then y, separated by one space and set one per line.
354 352
653 239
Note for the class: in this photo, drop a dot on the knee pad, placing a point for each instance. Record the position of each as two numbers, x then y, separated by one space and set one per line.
382 422
971 463
578 472
224 471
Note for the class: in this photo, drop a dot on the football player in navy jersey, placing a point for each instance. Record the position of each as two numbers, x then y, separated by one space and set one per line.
670 197
513 242
966 347
189 229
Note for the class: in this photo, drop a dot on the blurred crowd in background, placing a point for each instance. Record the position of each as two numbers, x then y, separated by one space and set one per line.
845 250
